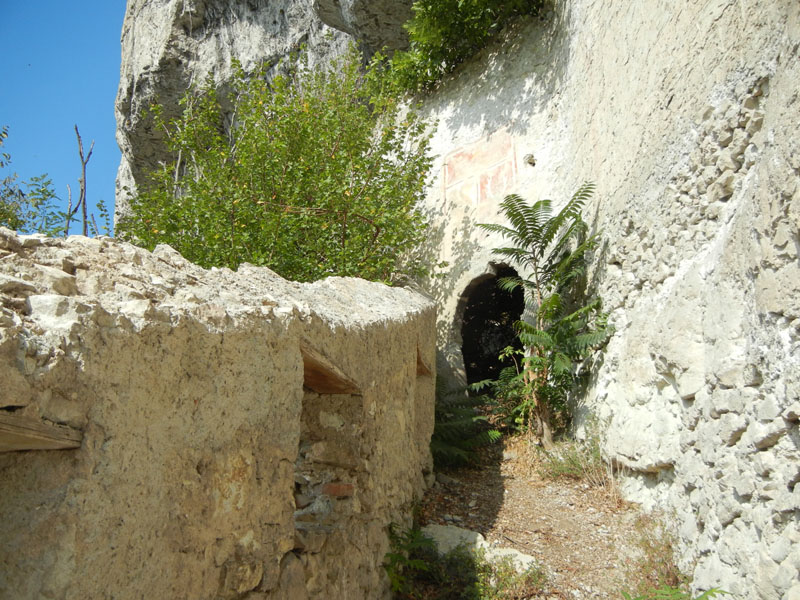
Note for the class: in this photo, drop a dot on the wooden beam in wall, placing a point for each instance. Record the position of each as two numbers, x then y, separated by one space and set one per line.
322 376
422 368
28 433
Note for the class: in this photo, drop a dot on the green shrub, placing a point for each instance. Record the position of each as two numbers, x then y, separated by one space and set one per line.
458 428
561 324
417 570
444 33
320 174
27 206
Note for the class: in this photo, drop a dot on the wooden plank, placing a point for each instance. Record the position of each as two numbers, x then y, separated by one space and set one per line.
27 433
322 376
422 368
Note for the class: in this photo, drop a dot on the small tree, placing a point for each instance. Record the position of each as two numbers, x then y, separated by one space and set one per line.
561 325
319 174
28 207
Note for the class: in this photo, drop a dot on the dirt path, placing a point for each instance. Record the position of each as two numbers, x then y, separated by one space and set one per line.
583 536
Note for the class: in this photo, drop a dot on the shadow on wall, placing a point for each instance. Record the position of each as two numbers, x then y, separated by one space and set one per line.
458 244
508 89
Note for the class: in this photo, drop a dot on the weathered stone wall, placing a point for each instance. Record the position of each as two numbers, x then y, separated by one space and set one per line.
685 118
242 436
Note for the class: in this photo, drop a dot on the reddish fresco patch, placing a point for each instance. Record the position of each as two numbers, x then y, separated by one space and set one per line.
463 195
480 172
493 183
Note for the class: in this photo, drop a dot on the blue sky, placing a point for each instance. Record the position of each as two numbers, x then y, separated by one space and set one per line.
59 66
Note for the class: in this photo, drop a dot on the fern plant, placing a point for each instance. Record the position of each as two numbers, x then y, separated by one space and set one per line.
560 324
458 428
401 562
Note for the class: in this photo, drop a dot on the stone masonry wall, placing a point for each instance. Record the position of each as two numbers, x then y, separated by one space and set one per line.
239 435
685 117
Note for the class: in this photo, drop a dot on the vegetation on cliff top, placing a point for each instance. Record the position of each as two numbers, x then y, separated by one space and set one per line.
320 174
29 207
444 33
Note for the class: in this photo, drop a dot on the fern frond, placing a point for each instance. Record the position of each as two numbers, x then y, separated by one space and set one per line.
583 342
480 385
530 336
458 428
561 364
514 209
537 218
484 438
509 284
506 232
518 255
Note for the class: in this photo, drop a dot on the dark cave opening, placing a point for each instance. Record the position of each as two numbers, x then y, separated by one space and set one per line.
487 325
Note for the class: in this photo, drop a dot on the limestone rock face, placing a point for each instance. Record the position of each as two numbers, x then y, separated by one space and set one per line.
685 120
376 24
239 433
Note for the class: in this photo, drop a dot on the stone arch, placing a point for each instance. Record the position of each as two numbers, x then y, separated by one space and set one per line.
486 315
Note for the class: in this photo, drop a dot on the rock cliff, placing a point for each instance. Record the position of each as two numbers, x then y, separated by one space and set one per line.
231 433
169 45
684 119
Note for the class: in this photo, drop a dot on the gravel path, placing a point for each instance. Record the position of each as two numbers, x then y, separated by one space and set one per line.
584 537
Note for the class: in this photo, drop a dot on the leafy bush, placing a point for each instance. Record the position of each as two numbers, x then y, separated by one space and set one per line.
458 428
561 325
403 558
508 394
444 33
319 174
28 207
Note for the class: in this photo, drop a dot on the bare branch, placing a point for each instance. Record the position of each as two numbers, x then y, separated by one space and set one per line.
82 180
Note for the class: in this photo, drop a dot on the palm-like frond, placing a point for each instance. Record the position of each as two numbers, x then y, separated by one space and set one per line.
530 336
509 284
559 326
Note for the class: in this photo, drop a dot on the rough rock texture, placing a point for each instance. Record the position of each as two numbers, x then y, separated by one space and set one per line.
375 24
449 537
686 119
243 436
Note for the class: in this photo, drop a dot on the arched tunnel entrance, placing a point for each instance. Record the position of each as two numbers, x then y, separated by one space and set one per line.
487 324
